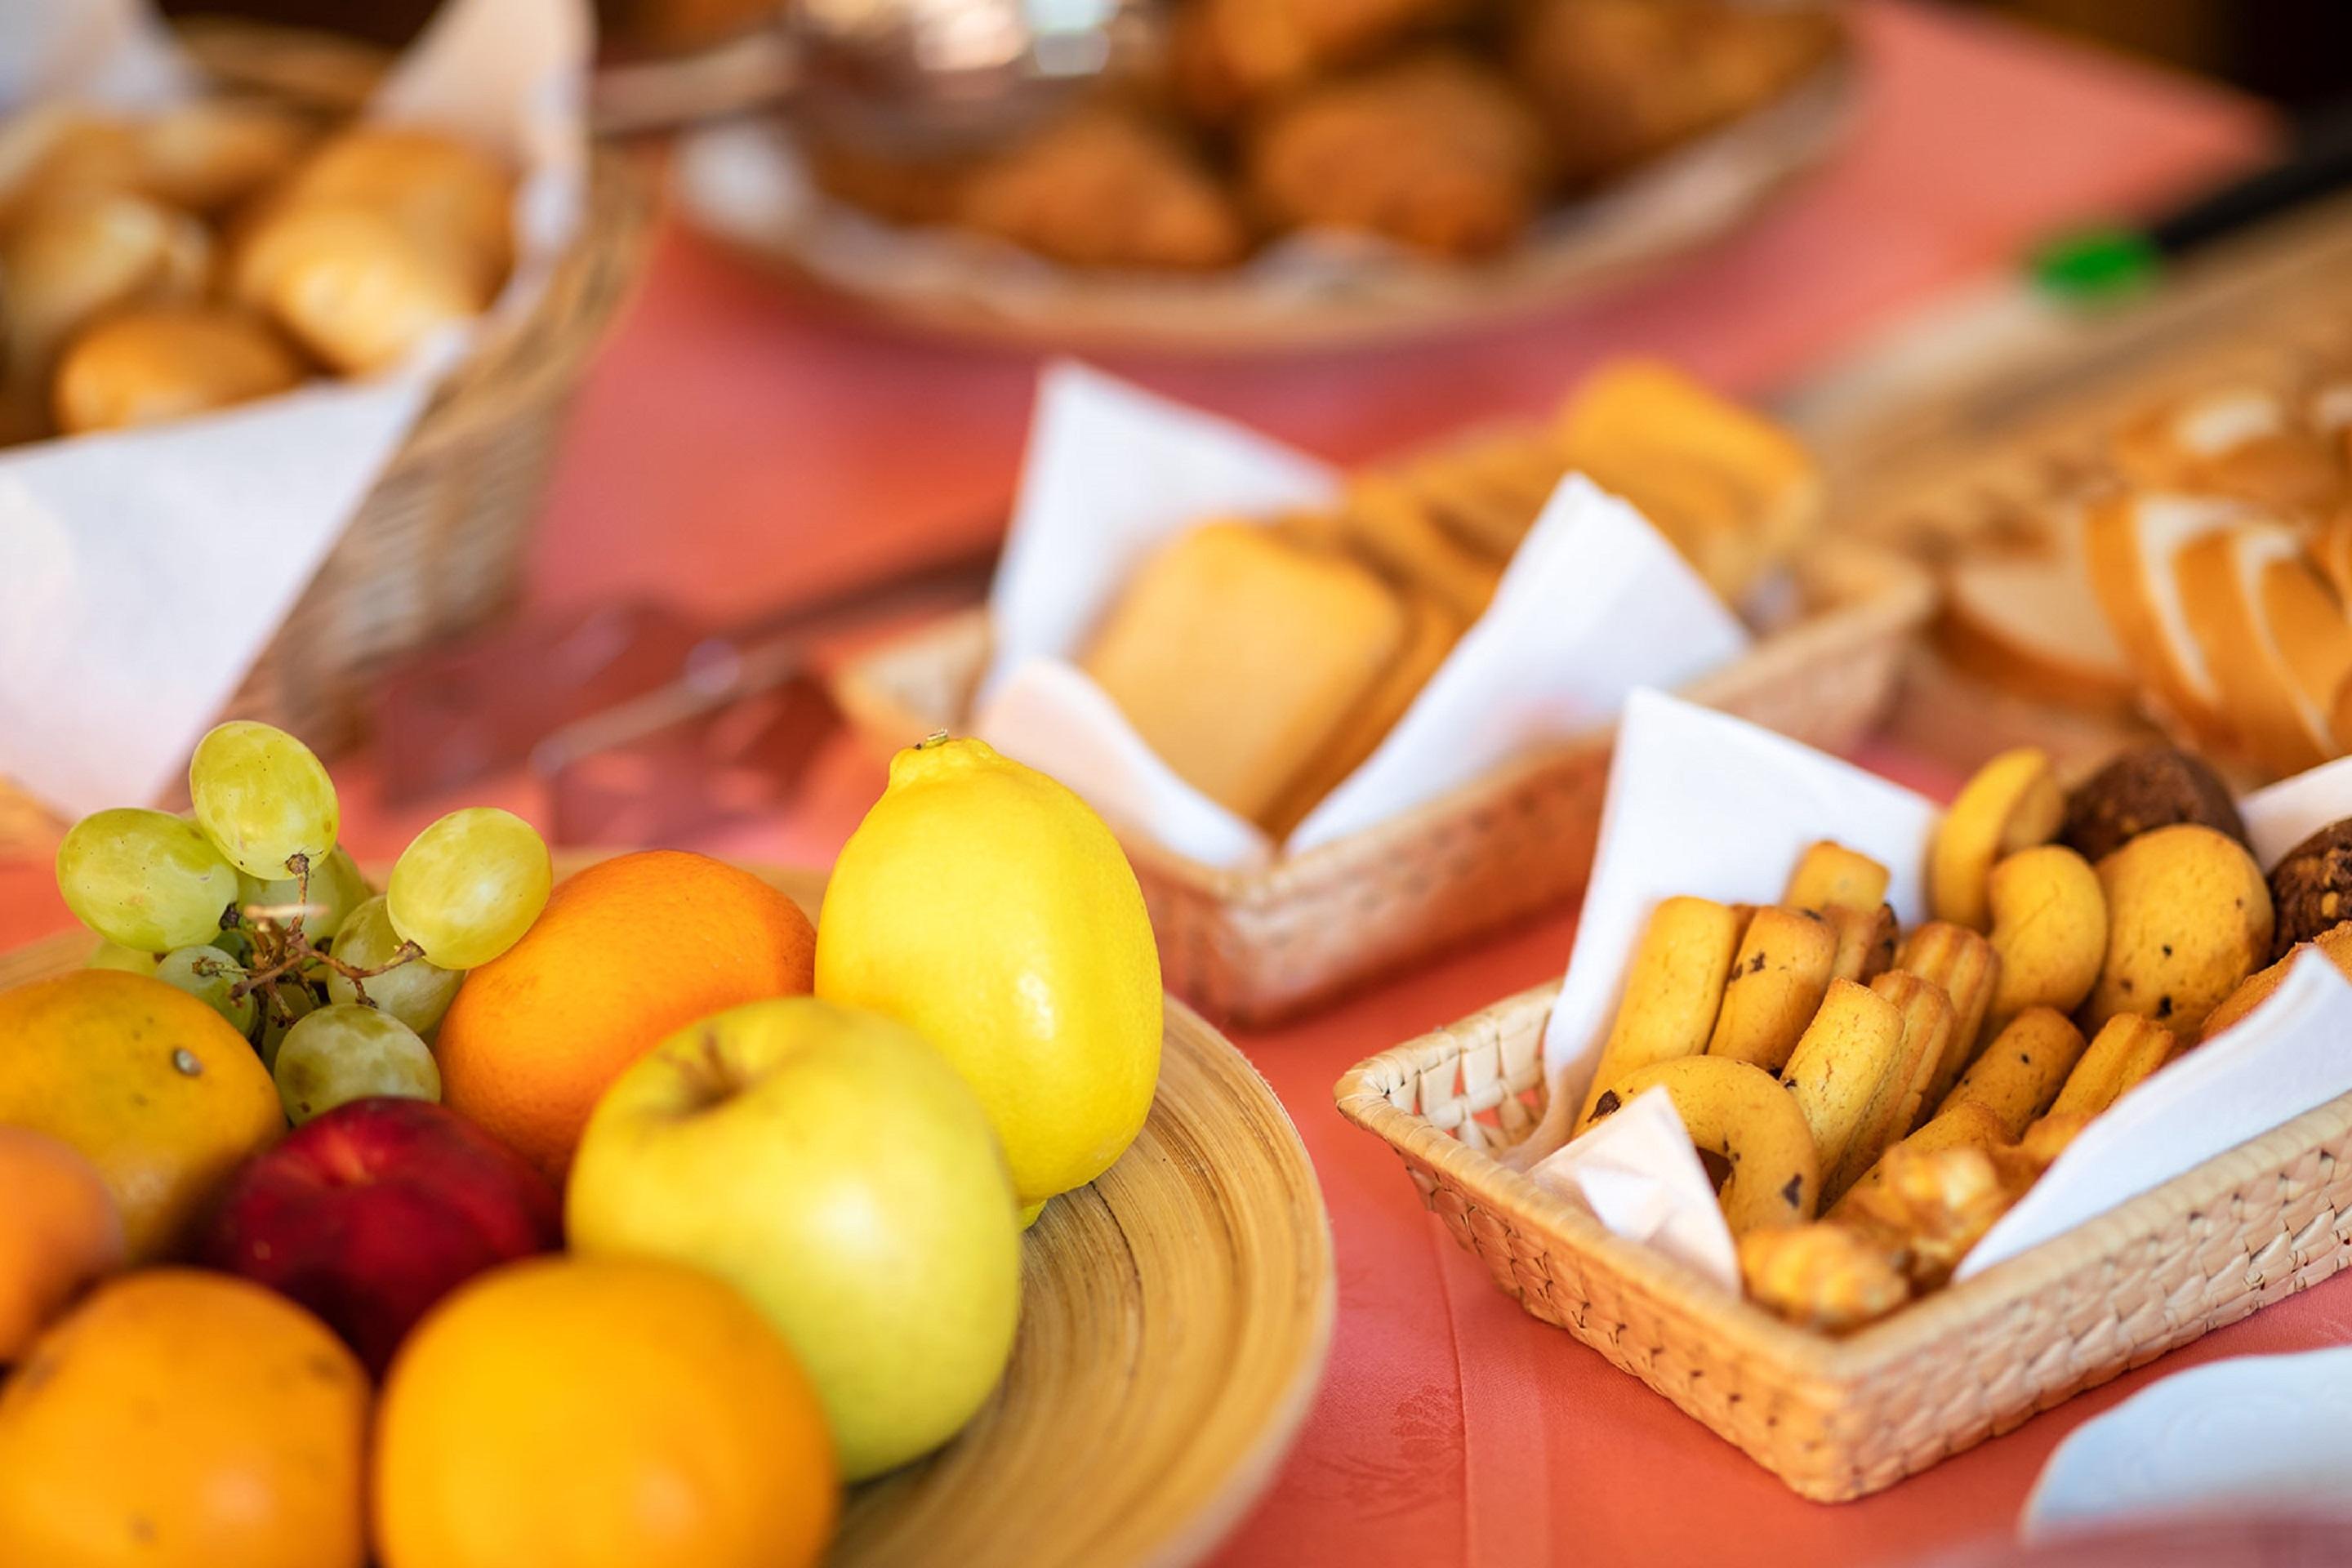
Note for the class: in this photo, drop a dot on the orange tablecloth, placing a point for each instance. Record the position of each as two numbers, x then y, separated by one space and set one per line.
736 447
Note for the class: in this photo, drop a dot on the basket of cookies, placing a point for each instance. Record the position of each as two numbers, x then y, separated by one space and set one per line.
336 346
1344 721
1864 1131
1255 174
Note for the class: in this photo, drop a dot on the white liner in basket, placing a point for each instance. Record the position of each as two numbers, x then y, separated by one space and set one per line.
1704 804
1594 604
147 568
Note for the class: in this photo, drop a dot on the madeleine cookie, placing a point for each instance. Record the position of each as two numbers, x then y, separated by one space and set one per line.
1239 655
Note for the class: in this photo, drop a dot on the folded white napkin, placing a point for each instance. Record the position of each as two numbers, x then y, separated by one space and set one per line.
1594 604
148 569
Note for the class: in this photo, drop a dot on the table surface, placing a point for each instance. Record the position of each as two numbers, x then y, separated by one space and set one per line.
737 445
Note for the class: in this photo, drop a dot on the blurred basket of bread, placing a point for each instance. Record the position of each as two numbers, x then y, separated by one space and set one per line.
209 253
1274 172
1265 659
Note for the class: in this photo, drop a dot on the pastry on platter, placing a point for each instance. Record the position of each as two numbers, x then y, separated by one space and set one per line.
1435 152
1105 187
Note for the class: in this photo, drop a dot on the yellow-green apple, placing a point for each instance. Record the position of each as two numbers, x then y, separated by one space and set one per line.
836 1170
372 1212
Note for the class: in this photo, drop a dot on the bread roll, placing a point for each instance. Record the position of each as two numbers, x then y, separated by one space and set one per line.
445 194
350 283
66 262
215 151
146 367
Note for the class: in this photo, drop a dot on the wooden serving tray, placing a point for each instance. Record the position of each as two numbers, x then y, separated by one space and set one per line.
1174 1319
1259 946
1839 1418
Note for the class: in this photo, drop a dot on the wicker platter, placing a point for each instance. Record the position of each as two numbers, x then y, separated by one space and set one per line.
1175 1317
742 183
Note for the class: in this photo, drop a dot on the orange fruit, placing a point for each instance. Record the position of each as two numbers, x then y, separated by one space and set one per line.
599 1413
58 1231
626 952
151 1086
181 1419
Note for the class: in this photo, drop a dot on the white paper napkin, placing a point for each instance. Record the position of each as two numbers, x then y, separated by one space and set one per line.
1594 604
1638 1172
146 570
1704 804
2248 1436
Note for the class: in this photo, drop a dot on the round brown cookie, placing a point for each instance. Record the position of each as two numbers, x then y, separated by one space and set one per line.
2311 887
2151 787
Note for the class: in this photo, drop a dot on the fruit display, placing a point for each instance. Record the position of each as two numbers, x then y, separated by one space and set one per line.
735 1147
534 1417
224 251
988 907
1265 659
371 1213
1881 1097
681 1229
188 1419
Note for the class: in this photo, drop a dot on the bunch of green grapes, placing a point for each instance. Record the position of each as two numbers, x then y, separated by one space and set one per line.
249 904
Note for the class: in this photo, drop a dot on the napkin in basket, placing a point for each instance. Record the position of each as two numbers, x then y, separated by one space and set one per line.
1594 604
145 570
1701 803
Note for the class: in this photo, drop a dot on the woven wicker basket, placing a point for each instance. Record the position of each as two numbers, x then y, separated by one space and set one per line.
1837 1419
437 545
1259 946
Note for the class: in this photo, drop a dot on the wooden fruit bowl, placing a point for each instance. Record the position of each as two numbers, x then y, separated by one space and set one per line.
1174 1319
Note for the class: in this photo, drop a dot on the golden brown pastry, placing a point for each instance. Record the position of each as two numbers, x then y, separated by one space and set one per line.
1239 655
1102 187
350 283
1436 151
1228 54
215 151
1735 492
67 261
1620 82
447 195
146 366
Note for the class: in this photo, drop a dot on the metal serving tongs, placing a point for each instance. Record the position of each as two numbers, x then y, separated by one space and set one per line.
644 726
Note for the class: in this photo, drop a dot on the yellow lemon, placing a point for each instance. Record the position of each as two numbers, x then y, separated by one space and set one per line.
986 906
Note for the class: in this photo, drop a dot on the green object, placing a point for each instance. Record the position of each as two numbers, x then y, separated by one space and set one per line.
2094 266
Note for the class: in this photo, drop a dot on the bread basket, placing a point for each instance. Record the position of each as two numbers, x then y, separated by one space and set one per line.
438 544
1837 1419
1259 946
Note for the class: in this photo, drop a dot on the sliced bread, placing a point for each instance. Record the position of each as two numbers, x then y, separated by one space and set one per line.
2131 541
2028 621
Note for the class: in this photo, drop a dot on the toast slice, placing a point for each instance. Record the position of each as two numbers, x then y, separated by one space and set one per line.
1238 654
1485 491
2029 622
2225 579
1735 492
1434 629
1384 521
2130 542
2314 639
2245 442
